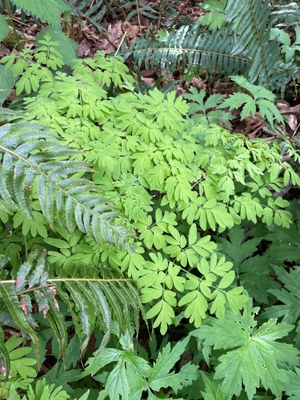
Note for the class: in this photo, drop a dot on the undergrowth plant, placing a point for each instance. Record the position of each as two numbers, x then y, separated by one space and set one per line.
200 202
232 38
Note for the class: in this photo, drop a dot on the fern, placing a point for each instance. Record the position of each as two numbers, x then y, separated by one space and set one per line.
91 303
31 162
211 52
92 11
285 15
50 13
250 22
241 45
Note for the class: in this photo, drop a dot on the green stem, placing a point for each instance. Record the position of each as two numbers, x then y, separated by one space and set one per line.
58 280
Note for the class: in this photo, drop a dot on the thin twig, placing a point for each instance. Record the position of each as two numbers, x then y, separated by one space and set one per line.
138 15
180 12
120 44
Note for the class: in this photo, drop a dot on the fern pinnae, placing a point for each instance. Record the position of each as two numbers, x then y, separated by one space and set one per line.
87 314
122 299
210 52
105 311
50 176
18 187
92 14
58 324
76 321
250 23
114 304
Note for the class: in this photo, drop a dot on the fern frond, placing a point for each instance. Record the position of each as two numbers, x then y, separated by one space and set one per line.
6 114
250 23
90 10
31 161
93 303
284 15
49 11
194 50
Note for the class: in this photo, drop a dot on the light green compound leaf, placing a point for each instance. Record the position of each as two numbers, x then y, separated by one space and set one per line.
50 11
67 47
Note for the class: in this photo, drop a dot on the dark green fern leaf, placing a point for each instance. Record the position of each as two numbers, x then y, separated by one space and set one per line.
250 23
194 50
92 11
284 15
30 162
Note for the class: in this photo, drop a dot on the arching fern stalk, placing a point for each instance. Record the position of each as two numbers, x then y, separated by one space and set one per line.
193 50
34 164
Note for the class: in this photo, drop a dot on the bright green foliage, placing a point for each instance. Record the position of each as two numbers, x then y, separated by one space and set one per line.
254 358
32 161
213 391
215 17
261 100
132 375
92 304
288 48
177 181
254 272
292 388
67 47
50 13
43 391
203 111
201 202
21 370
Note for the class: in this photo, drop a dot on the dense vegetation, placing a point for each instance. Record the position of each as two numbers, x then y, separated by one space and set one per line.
150 240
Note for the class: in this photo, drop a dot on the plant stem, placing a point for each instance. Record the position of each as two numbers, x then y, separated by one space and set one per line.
179 13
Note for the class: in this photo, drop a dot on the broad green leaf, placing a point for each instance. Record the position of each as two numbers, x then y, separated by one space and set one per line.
256 359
